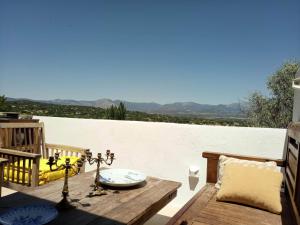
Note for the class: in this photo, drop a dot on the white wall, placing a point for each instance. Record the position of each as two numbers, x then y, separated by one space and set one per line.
164 150
296 112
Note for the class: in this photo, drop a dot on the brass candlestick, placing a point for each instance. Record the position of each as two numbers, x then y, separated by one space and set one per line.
65 203
108 160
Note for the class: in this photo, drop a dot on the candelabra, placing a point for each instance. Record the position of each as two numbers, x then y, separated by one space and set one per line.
65 203
108 160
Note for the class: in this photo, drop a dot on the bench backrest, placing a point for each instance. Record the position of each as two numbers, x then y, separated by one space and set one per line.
213 159
25 137
292 168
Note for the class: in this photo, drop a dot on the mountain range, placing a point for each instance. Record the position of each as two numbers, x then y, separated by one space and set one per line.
178 108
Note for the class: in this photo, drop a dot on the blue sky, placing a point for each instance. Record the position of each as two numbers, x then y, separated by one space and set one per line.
156 50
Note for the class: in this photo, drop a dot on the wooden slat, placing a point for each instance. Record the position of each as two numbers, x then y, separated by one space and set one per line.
12 169
294 130
8 167
14 138
216 155
23 169
35 172
290 177
292 164
293 150
25 132
18 169
43 142
19 153
9 137
36 141
19 125
30 142
29 172
66 148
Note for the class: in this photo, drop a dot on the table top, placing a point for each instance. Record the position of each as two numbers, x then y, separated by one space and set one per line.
127 206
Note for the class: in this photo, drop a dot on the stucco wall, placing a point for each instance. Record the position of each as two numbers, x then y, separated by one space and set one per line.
296 113
164 150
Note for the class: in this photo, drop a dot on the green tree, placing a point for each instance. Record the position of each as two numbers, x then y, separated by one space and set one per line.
116 112
276 109
3 104
110 112
121 111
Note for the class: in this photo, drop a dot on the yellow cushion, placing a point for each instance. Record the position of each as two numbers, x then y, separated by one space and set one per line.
45 174
257 187
224 160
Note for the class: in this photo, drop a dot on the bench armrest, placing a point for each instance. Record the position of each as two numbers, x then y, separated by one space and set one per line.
5 151
16 170
213 159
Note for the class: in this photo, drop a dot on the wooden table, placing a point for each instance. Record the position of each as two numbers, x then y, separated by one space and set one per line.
131 206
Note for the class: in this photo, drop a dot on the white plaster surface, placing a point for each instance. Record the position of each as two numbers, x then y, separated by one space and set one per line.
296 111
164 150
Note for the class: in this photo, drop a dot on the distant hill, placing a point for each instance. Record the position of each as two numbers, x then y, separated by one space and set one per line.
177 108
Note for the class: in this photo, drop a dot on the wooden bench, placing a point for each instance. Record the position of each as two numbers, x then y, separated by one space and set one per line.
204 209
20 142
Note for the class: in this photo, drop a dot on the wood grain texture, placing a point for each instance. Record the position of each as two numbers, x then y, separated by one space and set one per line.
2 163
129 206
5 120
205 209
26 141
213 158
216 155
292 170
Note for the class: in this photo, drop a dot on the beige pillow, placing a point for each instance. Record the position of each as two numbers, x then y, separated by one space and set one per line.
224 160
257 187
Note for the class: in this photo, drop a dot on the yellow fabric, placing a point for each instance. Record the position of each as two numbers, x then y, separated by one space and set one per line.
257 187
45 174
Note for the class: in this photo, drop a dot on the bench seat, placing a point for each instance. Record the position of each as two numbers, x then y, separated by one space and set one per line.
203 209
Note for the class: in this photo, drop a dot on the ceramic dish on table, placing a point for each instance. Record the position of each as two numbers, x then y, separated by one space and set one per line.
38 214
121 177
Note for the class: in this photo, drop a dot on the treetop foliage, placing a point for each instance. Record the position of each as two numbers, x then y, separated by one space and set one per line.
276 109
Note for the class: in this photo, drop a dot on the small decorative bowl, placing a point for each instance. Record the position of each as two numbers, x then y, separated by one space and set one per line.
29 215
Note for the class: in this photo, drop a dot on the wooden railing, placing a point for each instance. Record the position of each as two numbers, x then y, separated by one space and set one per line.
23 145
64 150
2 163
22 167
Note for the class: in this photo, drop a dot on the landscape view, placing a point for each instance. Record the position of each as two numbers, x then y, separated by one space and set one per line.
178 68
274 110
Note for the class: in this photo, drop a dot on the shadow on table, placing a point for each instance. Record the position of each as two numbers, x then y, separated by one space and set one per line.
158 219
74 216
125 188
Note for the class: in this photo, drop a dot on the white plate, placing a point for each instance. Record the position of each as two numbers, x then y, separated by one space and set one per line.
121 177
